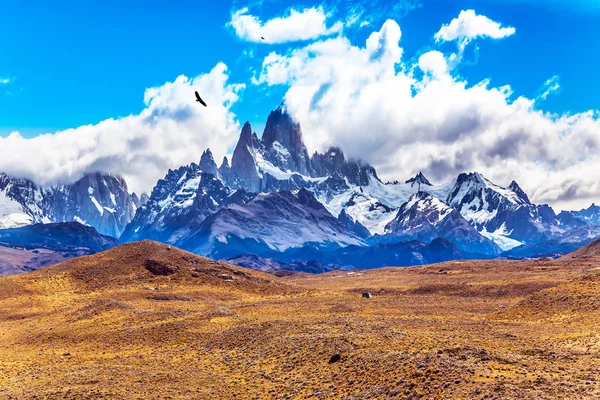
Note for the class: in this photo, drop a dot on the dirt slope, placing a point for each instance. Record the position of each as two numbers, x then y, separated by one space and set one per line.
592 250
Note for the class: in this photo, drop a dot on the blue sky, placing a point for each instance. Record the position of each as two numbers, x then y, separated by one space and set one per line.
73 63
508 88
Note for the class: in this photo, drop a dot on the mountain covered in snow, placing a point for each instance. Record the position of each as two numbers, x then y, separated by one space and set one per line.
270 224
98 200
587 217
425 217
180 202
273 200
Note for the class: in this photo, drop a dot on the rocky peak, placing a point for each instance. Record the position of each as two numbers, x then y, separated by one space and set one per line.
245 136
144 199
207 163
243 165
225 163
471 177
281 128
333 163
226 174
282 140
419 179
514 186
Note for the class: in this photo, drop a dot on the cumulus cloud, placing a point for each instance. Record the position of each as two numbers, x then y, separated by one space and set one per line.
295 25
171 130
468 26
404 117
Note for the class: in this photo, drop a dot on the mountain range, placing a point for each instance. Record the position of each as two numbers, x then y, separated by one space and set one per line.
272 200
97 199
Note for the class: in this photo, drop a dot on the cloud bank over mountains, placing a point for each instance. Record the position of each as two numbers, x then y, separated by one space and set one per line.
170 131
404 116
401 115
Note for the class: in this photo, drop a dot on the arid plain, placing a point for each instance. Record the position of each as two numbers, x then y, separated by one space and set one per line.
146 321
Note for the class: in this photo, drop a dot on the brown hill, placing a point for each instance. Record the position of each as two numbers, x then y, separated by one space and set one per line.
146 262
591 250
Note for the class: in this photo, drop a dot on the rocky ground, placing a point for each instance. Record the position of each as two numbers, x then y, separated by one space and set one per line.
148 321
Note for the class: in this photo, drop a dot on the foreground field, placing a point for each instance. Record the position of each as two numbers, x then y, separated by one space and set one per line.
147 321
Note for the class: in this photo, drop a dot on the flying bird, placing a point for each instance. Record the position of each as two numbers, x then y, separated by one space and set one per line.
262 38
199 99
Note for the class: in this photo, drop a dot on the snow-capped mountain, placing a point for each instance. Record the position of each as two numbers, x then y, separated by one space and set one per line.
180 202
477 215
374 204
269 224
98 200
274 200
419 180
21 202
425 217
504 215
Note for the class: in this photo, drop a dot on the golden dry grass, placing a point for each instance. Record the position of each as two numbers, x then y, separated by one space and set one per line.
105 327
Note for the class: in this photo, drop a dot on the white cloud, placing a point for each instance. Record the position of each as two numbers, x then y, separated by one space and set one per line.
296 25
434 63
172 130
4 81
468 26
549 87
404 117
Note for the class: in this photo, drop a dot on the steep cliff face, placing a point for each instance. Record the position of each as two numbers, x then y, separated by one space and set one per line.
283 143
208 164
98 200
334 163
243 163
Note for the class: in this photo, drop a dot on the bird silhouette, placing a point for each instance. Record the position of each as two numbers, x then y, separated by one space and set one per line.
262 38
199 99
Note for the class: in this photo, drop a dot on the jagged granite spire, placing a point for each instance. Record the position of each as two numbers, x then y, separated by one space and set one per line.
243 165
333 163
419 179
282 139
207 163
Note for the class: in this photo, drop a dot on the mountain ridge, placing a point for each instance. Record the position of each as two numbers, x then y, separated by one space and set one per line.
355 206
